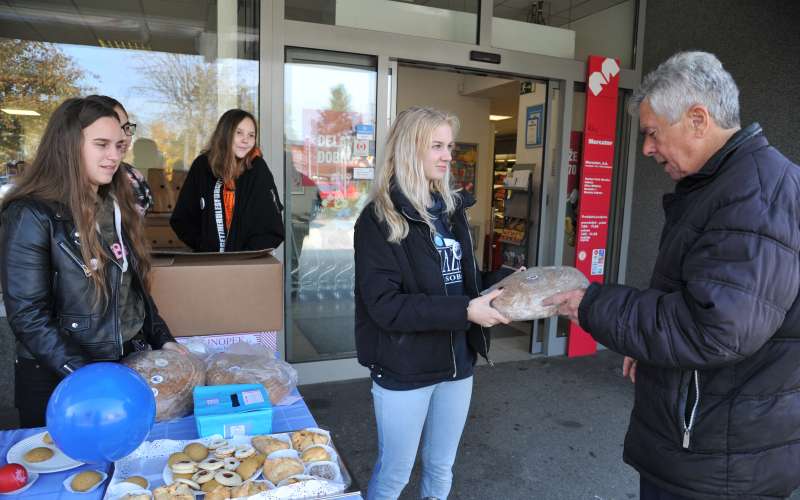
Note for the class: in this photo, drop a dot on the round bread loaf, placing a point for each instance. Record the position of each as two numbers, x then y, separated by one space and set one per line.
171 376
524 291
232 368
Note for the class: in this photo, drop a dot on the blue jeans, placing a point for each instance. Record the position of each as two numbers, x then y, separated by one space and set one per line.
436 413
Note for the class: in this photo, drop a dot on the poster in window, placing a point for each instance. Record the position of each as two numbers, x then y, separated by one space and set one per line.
464 165
533 126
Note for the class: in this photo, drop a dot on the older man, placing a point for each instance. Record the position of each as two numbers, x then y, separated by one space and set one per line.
717 334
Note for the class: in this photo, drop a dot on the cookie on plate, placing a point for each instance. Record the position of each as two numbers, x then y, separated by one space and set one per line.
39 454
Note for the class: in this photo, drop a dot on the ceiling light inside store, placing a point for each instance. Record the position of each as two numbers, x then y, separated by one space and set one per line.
24 112
497 118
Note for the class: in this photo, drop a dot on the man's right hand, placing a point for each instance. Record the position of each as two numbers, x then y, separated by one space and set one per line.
481 312
629 368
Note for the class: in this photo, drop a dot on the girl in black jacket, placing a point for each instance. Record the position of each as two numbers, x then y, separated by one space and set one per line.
419 318
229 202
74 262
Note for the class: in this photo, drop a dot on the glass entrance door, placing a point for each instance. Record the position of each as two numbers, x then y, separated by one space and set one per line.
329 146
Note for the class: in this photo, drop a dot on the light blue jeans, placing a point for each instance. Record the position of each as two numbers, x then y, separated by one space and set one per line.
436 413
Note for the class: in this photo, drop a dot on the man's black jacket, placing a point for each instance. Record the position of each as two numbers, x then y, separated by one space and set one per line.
721 319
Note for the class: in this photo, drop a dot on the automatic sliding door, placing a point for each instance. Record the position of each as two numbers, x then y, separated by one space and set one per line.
329 145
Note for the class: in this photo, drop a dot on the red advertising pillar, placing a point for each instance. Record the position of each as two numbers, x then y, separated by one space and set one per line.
599 133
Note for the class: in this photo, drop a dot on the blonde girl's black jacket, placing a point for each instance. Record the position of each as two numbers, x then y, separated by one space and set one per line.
404 319
48 294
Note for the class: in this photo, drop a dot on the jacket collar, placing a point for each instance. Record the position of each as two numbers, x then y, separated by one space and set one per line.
715 163
403 205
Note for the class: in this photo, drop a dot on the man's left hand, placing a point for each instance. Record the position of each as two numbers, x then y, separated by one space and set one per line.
567 303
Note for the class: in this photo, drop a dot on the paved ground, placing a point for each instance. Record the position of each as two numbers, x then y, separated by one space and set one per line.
545 429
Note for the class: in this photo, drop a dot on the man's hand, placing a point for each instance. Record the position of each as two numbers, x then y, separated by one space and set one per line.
567 303
481 312
629 368
175 347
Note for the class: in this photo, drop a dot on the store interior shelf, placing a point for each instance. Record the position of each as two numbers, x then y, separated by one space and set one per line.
511 242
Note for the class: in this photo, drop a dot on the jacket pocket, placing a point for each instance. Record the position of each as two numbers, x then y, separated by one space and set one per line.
75 325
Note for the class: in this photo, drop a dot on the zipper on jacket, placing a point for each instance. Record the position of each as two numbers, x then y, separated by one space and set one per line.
475 281
117 325
75 259
687 428
452 345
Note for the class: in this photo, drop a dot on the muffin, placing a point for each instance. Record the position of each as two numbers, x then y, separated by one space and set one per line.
39 454
86 480
278 469
138 481
268 444
196 451
303 439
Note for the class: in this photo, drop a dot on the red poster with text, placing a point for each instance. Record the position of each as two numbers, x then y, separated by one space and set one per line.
599 133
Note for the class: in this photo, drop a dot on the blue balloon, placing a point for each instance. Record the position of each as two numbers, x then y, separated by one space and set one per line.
100 413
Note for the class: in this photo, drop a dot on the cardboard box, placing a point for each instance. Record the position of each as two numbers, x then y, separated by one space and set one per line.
206 294
160 234
232 410
165 186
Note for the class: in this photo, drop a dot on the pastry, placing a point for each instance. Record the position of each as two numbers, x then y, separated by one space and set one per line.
86 480
248 488
172 377
315 454
228 478
230 463
278 469
46 439
39 454
303 439
209 485
248 467
244 451
219 493
187 475
184 467
203 476
175 491
138 481
211 464
188 482
177 457
225 451
267 444
196 451
217 443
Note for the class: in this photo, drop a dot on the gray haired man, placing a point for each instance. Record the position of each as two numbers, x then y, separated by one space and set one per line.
714 344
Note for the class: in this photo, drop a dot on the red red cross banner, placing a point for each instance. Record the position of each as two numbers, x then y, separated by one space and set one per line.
599 133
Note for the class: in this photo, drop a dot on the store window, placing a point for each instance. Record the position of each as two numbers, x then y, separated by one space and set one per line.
175 66
329 116
454 20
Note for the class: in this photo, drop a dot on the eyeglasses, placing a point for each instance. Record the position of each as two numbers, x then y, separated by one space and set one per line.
129 128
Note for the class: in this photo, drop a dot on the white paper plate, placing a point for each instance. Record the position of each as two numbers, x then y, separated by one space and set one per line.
59 462
32 477
68 482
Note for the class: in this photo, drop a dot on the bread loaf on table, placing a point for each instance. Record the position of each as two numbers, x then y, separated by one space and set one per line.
278 377
524 291
171 376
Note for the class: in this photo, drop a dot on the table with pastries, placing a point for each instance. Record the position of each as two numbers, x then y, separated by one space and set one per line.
50 485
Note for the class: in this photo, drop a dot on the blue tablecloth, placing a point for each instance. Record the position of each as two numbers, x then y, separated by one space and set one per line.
50 486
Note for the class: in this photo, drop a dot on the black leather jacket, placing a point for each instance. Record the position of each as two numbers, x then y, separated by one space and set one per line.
49 296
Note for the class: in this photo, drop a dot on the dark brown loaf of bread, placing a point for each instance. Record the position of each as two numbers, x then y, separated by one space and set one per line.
172 376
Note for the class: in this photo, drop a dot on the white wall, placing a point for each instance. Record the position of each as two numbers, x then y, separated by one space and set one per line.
440 89
607 33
